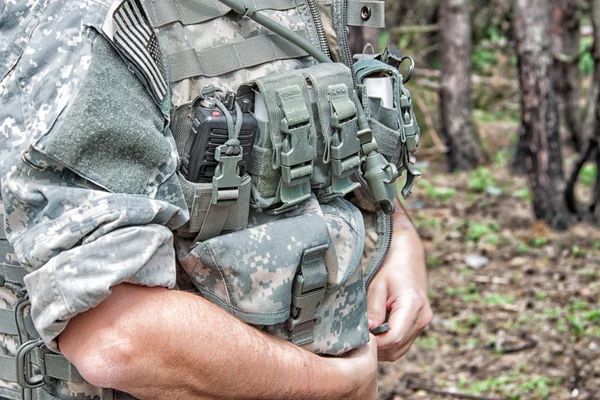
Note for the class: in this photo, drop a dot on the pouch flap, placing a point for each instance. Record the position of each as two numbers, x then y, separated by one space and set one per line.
250 273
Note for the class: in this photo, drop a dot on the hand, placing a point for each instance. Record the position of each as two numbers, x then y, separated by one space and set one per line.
400 289
359 369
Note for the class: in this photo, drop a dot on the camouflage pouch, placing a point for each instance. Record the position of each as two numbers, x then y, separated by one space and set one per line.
392 120
295 275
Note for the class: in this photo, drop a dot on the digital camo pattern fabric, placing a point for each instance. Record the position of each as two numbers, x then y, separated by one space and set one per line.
77 228
75 237
230 28
250 273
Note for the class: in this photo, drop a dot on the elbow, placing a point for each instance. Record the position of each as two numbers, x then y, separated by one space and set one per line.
107 359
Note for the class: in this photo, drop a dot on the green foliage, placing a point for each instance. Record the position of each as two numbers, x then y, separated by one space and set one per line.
540 385
523 193
481 179
498 299
592 316
539 242
440 193
433 262
586 58
588 174
427 343
478 230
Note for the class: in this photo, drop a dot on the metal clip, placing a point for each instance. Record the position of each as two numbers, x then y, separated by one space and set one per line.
226 181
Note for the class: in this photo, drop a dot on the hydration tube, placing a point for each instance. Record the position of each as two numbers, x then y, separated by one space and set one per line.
248 11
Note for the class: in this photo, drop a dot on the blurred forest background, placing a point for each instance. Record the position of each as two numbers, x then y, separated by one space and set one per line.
507 95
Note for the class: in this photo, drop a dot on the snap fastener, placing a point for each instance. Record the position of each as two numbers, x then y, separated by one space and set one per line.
365 13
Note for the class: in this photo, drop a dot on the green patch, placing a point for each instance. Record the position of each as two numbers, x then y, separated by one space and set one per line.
427 343
541 295
516 385
586 57
540 242
495 299
471 343
592 316
433 262
523 248
576 251
502 157
478 230
440 193
428 223
588 174
523 193
538 385
577 326
481 179
579 305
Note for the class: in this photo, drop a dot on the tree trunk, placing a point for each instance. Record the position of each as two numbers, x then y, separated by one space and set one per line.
360 36
591 151
539 136
465 150
394 14
565 17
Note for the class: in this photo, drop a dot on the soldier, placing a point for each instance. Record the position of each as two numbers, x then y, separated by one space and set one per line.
91 200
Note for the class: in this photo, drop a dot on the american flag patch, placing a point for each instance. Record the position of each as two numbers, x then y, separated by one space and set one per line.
136 40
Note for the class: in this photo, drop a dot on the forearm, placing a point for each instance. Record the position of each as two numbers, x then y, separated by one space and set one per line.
160 341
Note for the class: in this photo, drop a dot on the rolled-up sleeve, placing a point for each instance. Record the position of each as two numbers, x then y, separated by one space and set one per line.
88 169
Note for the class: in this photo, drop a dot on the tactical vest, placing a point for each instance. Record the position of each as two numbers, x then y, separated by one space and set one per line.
276 243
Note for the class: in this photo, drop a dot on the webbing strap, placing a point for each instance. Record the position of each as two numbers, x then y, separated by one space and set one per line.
303 333
231 57
2 232
290 124
208 219
334 90
369 13
313 269
10 272
8 324
308 293
8 369
189 12
56 365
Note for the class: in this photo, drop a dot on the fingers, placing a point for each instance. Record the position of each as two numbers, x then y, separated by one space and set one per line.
376 303
406 322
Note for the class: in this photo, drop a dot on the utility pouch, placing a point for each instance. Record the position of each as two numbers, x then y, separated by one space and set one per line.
296 275
281 162
389 109
338 145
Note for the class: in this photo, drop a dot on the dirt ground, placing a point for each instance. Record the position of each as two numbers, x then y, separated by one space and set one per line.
516 304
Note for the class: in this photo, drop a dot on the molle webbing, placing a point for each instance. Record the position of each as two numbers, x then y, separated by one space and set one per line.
220 60
369 13
189 12
334 90
290 125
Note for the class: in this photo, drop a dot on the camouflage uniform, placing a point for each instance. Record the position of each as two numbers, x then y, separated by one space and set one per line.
92 204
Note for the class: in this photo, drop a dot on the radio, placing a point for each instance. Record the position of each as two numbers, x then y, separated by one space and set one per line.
209 130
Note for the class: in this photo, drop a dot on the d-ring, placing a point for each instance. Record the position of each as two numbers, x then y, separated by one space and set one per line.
411 70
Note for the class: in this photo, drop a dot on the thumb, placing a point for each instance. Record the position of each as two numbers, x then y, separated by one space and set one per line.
377 304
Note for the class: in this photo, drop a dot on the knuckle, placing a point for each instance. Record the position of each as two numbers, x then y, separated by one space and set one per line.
426 316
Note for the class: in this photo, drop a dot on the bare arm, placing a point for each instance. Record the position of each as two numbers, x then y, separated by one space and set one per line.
400 289
152 341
